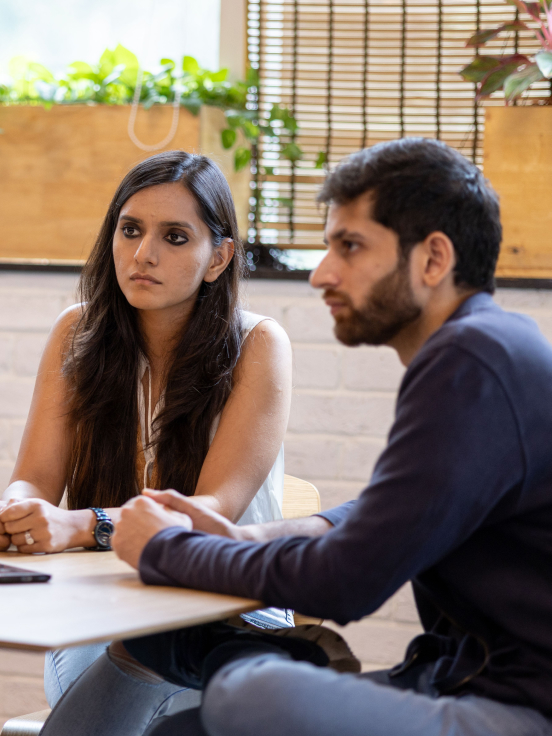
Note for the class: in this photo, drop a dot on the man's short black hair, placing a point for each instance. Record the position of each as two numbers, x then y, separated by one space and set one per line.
421 186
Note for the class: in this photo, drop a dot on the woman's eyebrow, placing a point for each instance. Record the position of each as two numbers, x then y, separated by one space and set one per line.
177 223
165 223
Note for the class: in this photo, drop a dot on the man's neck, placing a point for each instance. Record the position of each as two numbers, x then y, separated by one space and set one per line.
435 313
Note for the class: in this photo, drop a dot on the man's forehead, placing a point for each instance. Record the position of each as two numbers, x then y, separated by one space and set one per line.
349 216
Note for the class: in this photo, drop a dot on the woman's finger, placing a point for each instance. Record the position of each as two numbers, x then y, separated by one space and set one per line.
172 499
18 510
25 524
5 541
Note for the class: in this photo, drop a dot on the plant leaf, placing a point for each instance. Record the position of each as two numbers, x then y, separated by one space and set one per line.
242 157
481 37
292 152
228 138
495 79
169 63
519 81
190 65
479 68
544 62
321 160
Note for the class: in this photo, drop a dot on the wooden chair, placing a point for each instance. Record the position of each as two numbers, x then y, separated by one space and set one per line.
300 499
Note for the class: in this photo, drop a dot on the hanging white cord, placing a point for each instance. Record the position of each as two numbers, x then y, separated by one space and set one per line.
138 90
134 110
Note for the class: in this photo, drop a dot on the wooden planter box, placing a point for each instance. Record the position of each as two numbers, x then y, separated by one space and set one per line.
518 162
59 169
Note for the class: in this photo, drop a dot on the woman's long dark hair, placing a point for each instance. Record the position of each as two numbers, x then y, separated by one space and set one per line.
101 363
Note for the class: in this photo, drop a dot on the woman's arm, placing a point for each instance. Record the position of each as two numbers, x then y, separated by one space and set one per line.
38 479
252 424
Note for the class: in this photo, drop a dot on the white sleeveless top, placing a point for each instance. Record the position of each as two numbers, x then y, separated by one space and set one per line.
267 502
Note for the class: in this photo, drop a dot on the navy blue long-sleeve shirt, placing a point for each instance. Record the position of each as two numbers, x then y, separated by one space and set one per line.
460 502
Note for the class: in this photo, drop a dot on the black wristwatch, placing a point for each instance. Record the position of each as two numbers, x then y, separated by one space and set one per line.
103 531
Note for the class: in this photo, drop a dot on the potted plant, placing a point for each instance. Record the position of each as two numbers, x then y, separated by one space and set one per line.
66 141
517 150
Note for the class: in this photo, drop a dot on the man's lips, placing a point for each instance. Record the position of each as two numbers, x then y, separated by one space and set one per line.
143 278
335 304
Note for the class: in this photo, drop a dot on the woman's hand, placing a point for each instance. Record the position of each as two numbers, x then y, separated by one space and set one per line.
52 529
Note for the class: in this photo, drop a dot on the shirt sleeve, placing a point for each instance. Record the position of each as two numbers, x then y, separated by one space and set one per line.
336 515
454 452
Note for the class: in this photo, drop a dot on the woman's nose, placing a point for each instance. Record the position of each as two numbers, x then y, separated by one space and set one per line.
146 251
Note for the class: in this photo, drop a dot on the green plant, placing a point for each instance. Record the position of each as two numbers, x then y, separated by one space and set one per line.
114 79
514 73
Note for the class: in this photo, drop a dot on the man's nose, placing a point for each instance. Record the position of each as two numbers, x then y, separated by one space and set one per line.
326 274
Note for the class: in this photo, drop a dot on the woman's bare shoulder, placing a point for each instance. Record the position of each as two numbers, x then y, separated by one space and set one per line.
62 330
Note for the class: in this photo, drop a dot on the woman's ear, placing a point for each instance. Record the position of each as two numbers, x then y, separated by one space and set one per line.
222 255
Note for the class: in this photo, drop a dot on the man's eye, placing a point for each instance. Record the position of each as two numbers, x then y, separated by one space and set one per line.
176 238
130 231
350 245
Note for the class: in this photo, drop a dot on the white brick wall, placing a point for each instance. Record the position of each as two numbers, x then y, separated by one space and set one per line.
342 409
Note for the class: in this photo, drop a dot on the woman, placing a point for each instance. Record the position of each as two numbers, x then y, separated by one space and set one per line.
156 379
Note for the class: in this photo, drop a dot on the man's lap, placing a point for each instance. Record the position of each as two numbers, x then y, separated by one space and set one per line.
274 696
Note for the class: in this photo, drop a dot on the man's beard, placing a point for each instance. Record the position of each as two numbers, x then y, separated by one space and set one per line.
389 308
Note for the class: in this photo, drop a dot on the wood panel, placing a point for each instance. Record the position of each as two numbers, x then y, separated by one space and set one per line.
301 498
94 597
59 169
517 160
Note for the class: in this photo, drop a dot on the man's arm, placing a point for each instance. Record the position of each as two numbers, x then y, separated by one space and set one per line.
453 455
206 520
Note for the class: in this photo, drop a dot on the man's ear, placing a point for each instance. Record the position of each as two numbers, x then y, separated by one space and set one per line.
438 258
222 256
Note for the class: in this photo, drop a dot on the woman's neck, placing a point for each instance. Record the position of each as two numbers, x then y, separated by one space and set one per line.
161 329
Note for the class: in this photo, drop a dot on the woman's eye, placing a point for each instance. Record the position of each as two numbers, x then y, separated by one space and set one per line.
176 238
129 231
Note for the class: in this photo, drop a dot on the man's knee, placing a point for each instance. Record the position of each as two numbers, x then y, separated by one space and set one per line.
245 696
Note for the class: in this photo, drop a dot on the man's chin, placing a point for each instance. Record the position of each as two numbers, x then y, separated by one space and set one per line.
347 334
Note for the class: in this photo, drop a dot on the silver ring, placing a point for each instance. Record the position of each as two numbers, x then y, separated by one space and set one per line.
29 538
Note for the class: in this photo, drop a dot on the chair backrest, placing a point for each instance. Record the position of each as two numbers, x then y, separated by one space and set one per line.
300 498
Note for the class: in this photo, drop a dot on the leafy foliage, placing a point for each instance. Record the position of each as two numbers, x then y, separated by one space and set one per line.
116 76
513 73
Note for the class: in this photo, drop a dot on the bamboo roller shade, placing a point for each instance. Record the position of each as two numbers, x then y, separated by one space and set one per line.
357 73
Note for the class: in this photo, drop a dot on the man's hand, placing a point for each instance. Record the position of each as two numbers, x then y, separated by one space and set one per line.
203 517
5 539
141 519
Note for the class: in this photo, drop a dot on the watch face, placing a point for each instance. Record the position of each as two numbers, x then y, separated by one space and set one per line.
103 533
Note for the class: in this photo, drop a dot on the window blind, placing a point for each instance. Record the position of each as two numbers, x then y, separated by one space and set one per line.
356 73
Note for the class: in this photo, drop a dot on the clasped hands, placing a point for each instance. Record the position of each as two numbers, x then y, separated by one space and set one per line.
141 519
145 516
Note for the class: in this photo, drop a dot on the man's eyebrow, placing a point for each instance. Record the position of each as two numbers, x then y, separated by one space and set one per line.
341 234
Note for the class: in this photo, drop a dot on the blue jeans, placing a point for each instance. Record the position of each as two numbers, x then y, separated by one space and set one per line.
63 666
270 695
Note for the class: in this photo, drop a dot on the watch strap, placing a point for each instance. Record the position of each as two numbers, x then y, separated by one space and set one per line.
101 515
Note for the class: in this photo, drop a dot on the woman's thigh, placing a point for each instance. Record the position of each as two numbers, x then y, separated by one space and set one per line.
63 666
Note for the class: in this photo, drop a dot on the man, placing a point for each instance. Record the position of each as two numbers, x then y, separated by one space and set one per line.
460 501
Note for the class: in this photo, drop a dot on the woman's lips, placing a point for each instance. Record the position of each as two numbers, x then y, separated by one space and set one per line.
144 278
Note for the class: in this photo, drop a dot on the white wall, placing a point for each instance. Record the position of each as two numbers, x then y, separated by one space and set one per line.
343 405
58 32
